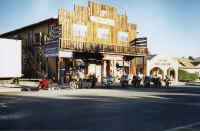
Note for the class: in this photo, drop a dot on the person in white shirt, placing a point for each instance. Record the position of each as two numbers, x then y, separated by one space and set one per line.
141 78
81 75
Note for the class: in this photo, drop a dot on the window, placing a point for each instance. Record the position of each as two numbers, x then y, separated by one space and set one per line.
36 37
139 60
103 13
123 36
17 36
103 33
79 30
30 37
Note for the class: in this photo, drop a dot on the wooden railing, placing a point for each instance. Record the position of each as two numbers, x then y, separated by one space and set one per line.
103 48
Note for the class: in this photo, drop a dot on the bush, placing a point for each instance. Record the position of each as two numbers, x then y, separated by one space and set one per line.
186 76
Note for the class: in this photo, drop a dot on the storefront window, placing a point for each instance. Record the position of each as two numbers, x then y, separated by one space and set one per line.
123 36
103 33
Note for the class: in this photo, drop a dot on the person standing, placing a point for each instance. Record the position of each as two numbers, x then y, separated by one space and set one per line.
140 79
62 72
81 77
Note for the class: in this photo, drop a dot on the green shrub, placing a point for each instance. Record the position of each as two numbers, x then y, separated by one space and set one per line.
186 76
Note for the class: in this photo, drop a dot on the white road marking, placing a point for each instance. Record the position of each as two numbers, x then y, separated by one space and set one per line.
184 127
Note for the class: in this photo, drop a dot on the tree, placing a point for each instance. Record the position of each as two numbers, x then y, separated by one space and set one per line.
186 76
190 58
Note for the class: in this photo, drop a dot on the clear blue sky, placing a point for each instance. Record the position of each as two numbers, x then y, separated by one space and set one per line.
172 26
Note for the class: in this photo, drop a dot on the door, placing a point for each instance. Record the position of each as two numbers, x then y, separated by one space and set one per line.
98 73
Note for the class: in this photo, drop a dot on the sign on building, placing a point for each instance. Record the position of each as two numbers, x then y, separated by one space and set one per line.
139 42
65 54
51 48
55 32
100 20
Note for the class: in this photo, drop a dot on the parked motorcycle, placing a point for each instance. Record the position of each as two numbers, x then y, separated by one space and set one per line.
124 80
136 82
108 81
157 82
93 80
167 82
147 82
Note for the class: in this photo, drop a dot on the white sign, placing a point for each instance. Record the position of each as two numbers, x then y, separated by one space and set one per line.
66 54
113 57
102 20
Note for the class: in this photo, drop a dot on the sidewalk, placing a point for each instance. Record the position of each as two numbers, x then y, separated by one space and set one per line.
9 89
178 83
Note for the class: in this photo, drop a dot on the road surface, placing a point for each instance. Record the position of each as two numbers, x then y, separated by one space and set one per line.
102 110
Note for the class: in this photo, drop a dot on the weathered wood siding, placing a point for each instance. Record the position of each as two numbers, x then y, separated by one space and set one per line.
81 15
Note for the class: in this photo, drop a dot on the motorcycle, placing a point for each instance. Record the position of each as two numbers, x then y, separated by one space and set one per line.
167 82
136 82
157 82
147 82
108 81
124 81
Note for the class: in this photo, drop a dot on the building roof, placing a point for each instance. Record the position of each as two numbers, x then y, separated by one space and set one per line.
197 60
186 63
28 26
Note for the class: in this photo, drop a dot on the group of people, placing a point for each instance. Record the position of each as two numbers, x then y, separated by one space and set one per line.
150 81
77 79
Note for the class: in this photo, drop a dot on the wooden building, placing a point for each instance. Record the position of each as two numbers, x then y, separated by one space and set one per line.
33 39
95 38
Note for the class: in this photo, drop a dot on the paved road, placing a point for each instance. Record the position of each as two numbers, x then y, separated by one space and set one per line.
102 110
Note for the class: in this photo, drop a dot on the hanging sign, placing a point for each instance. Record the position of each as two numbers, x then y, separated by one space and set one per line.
66 54
51 48
113 57
58 27
55 32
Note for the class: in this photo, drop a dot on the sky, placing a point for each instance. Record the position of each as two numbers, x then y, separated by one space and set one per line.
172 26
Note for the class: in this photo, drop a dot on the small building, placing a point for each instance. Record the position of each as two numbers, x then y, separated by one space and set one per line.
163 66
188 65
196 61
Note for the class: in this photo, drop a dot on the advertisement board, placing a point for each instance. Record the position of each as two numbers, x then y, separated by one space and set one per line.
51 48
104 21
55 32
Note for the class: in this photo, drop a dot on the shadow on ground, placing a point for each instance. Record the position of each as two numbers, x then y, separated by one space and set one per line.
93 113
